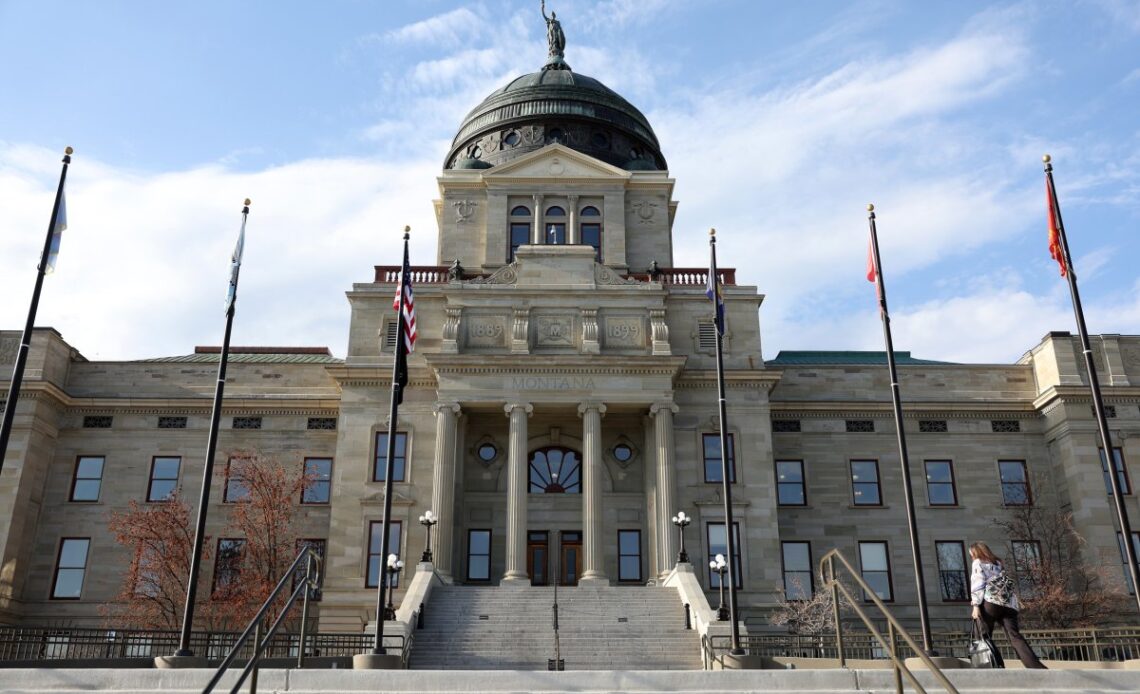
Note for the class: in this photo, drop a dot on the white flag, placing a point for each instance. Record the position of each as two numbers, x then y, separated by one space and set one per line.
235 266
57 234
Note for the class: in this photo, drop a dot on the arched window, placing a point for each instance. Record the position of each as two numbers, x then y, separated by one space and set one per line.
555 230
555 470
591 228
519 229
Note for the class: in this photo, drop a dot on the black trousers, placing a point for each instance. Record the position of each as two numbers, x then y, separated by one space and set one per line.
999 614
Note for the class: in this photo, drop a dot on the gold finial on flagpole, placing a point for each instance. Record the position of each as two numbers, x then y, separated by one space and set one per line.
870 207
68 150
247 201
712 232
1046 158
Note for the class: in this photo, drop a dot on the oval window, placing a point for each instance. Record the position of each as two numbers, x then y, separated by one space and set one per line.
487 452
622 453
512 138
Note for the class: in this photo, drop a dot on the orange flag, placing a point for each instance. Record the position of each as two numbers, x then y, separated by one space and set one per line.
1054 229
870 262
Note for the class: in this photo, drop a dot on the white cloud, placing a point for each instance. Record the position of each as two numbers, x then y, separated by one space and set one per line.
455 28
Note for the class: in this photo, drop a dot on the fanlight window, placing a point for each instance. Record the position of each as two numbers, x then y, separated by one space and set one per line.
520 211
555 470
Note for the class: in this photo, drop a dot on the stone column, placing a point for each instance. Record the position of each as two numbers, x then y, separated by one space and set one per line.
653 529
443 486
517 484
593 562
538 233
662 413
572 235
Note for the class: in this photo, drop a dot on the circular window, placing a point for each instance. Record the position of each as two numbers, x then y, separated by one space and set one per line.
622 453
635 153
476 152
512 138
487 452
600 140
556 134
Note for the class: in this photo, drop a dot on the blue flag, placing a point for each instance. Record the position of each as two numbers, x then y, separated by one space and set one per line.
57 234
715 292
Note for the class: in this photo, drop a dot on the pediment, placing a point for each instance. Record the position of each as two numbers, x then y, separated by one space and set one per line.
555 162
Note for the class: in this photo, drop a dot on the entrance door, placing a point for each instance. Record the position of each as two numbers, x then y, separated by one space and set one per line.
537 557
570 568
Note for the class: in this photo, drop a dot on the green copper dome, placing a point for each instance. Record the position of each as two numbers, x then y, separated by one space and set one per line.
555 105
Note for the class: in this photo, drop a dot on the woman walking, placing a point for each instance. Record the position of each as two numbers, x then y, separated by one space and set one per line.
995 601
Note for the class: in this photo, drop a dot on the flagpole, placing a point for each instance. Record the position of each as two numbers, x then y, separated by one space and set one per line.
908 492
725 469
184 649
389 468
1094 387
26 338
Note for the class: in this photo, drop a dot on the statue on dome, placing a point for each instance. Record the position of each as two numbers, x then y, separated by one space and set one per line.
555 41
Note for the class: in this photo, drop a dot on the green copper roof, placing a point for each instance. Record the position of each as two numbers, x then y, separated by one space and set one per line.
240 358
812 358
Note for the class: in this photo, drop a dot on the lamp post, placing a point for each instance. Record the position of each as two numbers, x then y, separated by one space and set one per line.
681 520
427 520
720 566
395 565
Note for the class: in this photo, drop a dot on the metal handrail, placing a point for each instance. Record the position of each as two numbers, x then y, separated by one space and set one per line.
311 583
827 572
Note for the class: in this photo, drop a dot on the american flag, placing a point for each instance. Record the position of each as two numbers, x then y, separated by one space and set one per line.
408 310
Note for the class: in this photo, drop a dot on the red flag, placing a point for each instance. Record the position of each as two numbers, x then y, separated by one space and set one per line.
1054 229
870 262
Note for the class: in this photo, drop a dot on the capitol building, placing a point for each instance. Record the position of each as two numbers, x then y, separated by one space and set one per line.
560 346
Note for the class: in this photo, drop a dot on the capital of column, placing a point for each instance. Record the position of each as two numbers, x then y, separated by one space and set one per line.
662 405
452 407
511 406
592 405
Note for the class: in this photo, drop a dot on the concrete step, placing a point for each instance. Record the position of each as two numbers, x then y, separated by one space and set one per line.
59 681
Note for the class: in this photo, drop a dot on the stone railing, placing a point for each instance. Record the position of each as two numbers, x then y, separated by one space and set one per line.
676 276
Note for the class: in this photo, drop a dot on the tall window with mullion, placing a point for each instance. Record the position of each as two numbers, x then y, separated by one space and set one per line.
519 229
399 460
318 481
718 544
163 477
940 489
1121 472
319 545
1015 489
88 478
228 563
875 567
70 568
952 576
798 584
865 483
478 555
555 226
1026 565
713 468
1124 558
591 227
376 562
236 489
629 556
790 488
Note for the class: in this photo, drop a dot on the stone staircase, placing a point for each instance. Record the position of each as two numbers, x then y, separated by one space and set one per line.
510 628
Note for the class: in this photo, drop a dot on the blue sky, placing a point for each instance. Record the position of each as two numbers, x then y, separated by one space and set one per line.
780 122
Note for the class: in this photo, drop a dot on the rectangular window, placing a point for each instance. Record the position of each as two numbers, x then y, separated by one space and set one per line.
932 426
97 422
786 426
859 426
398 460
865 483
875 566
171 422
319 545
163 477
940 490
718 544
246 423
478 555
321 423
1014 483
592 236
227 563
790 490
376 562
629 555
555 234
1121 472
235 486
88 478
70 568
713 468
1124 558
318 473
1026 565
797 570
520 236
952 576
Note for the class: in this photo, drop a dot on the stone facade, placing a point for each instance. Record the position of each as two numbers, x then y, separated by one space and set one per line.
553 347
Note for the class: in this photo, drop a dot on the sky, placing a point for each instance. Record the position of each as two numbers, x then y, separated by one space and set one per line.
780 122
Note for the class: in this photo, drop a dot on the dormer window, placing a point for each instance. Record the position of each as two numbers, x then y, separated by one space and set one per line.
591 230
555 227
519 229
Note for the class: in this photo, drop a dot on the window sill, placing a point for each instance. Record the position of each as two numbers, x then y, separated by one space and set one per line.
797 507
869 506
944 506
